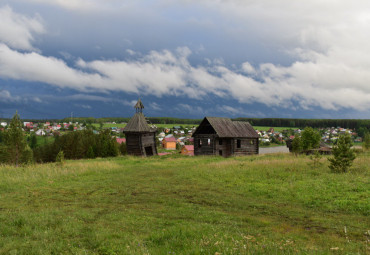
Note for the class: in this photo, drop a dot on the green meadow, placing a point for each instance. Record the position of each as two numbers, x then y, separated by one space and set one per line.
276 129
120 125
270 204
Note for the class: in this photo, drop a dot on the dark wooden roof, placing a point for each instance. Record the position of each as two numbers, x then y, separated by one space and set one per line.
138 124
226 128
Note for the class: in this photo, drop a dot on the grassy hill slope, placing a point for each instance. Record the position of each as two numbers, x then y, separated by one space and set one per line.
176 205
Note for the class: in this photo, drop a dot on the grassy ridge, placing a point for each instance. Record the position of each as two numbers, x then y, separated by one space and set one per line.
120 125
175 205
276 129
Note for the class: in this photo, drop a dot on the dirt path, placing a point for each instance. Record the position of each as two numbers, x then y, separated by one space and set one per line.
269 150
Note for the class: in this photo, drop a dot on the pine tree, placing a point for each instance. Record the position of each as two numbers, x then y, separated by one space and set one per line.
366 144
343 155
33 141
90 153
15 140
1 136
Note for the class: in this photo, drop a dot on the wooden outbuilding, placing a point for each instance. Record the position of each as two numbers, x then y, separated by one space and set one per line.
224 137
140 136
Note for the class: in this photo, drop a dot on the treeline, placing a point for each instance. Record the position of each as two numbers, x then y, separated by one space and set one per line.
79 145
271 122
15 149
153 120
90 120
314 123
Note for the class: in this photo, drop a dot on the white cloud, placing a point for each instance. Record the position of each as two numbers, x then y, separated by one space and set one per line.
84 106
319 82
17 30
331 67
155 106
71 5
190 109
6 97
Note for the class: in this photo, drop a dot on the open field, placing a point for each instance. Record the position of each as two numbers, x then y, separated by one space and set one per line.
119 125
277 129
261 128
271 204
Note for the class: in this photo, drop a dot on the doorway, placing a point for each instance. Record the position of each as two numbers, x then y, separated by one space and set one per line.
149 151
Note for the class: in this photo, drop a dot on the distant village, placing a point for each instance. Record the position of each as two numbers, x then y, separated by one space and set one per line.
176 138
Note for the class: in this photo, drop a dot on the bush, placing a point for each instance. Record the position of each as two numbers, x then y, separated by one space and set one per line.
366 144
123 149
60 158
343 155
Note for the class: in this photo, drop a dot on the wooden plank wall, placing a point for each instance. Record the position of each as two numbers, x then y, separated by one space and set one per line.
206 148
248 146
133 143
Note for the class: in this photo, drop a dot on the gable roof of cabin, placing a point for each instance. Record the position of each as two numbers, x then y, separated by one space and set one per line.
138 124
226 128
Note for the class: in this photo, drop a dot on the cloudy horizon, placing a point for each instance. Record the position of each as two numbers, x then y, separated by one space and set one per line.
186 59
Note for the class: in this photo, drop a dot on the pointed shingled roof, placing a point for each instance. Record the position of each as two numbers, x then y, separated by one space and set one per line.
138 124
139 104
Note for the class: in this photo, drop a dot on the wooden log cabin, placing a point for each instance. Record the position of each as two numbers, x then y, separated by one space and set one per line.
224 137
140 137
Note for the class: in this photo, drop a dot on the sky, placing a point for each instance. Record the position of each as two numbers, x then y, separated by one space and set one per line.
185 58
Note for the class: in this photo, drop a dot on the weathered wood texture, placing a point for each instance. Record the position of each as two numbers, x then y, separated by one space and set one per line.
140 137
214 136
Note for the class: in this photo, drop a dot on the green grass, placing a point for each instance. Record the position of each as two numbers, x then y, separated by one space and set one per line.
272 204
118 125
276 129
158 125
261 128
42 140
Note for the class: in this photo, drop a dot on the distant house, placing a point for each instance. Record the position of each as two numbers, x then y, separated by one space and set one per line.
224 137
4 124
121 140
40 132
187 150
169 143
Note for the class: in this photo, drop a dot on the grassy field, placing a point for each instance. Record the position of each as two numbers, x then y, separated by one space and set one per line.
261 128
277 129
119 125
272 204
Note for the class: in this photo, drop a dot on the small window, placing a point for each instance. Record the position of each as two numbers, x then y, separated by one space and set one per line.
238 143
252 142
220 142
220 152
200 143
209 141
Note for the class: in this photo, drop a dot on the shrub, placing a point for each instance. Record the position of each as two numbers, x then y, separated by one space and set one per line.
343 155
60 158
366 144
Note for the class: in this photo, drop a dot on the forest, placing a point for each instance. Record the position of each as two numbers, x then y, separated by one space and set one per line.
271 122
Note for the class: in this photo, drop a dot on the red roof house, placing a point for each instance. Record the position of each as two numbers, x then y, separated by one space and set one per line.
121 140
187 150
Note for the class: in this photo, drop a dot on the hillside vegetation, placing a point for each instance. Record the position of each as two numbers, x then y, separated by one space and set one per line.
272 204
